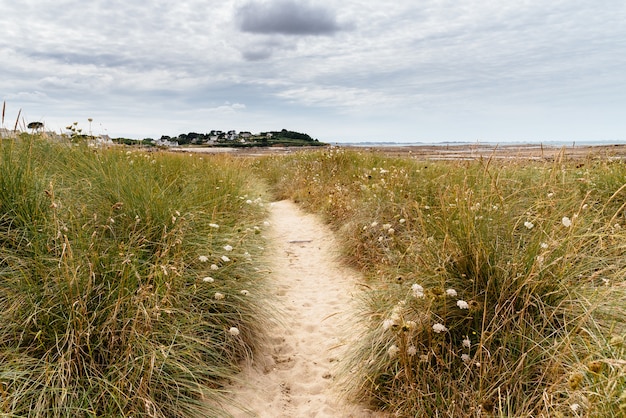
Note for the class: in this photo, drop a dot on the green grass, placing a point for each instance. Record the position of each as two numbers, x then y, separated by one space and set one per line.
494 288
533 251
105 304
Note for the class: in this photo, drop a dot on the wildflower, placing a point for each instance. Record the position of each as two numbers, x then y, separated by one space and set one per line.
386 226
244 292
543 245
411 351
451 292
574 407
391 231
249 202
388 323
203 258
466 342
216 226
465 358
228 248
462 304
411 324
225 259
218 296
418 291
393 350
575 380
214 267
208 279
595 366
374 224
234 331
567 222
529 225
438 328
550 194
402 220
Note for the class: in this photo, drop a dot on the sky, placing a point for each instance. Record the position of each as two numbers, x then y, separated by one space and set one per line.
341 71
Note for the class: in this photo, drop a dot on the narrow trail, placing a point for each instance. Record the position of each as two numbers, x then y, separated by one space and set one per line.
295 377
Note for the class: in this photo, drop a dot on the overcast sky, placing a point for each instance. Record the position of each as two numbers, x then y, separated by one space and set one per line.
350 70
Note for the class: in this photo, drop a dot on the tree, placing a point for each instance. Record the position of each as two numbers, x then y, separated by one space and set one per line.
35 126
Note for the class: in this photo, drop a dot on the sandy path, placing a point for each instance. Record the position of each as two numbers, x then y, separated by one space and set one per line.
294 378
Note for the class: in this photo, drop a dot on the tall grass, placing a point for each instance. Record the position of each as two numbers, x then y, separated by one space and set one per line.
496 288
129 284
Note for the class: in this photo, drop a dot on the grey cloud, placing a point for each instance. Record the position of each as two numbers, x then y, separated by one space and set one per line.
286 17
257 54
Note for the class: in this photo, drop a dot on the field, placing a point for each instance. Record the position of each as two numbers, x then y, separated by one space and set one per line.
133 283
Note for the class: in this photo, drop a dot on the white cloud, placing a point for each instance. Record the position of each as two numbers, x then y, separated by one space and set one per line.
447 67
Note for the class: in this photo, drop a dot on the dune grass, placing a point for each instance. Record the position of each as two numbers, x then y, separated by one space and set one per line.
497 288
129 281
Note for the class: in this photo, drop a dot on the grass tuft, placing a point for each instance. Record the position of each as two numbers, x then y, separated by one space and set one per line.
497 287
105 309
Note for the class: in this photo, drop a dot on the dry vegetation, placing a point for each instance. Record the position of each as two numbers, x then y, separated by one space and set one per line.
130 282
497 285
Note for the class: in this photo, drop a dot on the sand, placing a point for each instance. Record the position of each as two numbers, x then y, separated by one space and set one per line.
295 376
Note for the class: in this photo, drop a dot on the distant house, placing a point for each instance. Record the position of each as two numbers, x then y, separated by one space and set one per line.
164 143
245 134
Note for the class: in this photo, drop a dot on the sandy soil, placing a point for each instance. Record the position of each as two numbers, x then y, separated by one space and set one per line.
447 152
295 376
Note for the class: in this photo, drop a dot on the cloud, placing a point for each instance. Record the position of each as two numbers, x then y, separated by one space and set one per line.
286 17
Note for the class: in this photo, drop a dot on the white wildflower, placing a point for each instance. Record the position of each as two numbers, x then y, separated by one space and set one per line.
386 226
203 258
418 291
249 202
567 222
411 324
234 331
388 323
574 407
391 231
465 358
466 342
529 225
216 226
402 220
225 259
438 328
393 350
374 224
451 292
214 267
208 279
218 296
550 194
228 248
543 245
411 351
244 292
462 304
